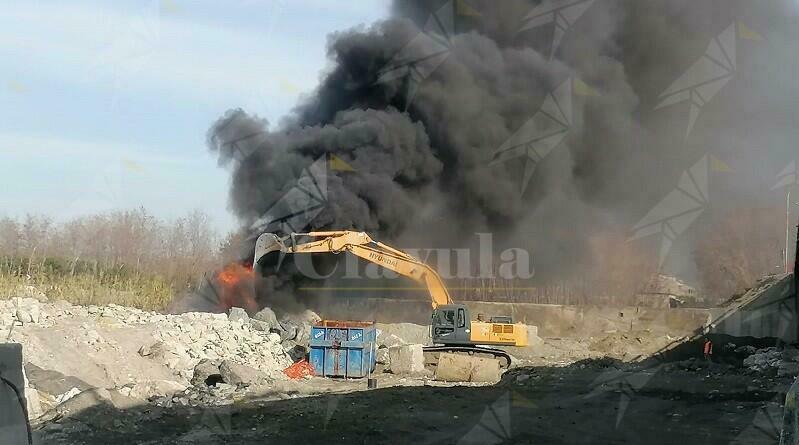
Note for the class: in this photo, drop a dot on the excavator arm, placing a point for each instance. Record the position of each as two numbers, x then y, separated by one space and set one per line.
363 246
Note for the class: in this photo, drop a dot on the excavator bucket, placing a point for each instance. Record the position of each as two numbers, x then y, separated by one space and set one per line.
266 244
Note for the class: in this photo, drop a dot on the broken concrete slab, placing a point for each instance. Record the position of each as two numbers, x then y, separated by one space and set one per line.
485 370
453 368
267 316
237 374
464 368
84 400
238 314
406 359
52 382
532 336
34 404
154 388
205 371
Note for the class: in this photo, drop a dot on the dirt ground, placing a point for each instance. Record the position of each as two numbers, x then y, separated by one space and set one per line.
597 388
584 403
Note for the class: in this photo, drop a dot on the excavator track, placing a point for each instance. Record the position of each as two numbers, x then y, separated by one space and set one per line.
431 354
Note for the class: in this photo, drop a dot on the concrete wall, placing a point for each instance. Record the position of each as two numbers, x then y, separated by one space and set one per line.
552 320
766 311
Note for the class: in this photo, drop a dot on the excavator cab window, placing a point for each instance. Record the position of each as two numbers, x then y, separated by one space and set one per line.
461 318
447 318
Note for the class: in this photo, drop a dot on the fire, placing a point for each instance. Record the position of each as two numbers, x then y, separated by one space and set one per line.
236 287
235 273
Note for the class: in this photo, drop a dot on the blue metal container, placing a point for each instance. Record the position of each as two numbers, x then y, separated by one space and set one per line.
343 348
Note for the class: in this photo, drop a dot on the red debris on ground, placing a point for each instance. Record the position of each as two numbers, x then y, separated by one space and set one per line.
299 370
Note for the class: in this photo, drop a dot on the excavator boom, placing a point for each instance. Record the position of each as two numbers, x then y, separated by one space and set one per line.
362 245
452 330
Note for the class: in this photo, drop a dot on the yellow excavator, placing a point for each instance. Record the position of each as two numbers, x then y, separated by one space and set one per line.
451 328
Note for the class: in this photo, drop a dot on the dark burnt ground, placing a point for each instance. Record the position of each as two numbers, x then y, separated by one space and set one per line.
592 402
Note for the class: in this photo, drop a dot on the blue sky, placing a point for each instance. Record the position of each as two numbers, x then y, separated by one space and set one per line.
105 105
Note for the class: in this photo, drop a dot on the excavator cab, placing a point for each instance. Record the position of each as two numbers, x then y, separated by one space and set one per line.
451 325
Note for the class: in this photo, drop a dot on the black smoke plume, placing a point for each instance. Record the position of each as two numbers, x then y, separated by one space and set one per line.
422 147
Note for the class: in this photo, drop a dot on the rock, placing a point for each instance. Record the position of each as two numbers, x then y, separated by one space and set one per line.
298 326
238 314
84 400
745 350
155 388
453 368
288 330
170 353
260 325
52 382
382 356
406 359
61 398
237 374
402 334
297 353
763 359
532 336
464 368
27 310
788 368
790 354
485 370
266 315
145 351
94 407
206 373
34 404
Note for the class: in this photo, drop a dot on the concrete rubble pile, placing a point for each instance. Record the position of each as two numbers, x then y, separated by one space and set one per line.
786 361
135 355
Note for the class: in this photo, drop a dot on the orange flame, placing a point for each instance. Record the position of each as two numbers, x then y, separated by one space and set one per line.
237 287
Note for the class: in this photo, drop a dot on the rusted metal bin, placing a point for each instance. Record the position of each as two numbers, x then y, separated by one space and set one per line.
343 348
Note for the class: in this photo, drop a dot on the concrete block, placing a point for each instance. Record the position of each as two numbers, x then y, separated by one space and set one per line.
465 368
238 374
406 359
532 336
485 370
454 368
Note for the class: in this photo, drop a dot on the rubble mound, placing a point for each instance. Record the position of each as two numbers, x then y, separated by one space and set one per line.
146 356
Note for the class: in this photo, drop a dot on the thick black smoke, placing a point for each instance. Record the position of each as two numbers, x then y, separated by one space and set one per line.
423 171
